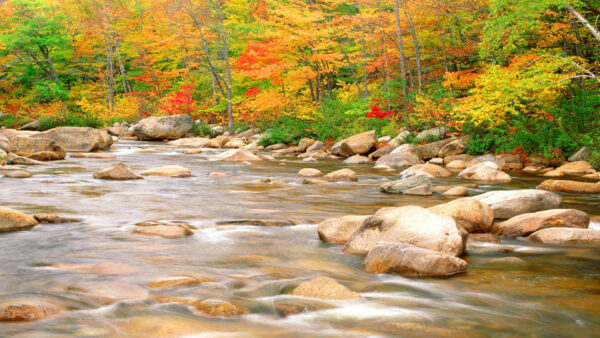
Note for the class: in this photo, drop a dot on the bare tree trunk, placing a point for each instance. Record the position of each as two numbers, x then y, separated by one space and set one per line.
227 68
400 47
386 73
413 31
110 81
583 20
126 85
365 74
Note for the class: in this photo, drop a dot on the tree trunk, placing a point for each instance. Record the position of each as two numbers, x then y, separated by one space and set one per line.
126 85
583 20
365 74
110 82
227 68
400 48
413 31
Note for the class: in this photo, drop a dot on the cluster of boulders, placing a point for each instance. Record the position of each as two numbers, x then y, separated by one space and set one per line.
418 242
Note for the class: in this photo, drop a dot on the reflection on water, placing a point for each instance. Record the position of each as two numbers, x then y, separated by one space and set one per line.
99 271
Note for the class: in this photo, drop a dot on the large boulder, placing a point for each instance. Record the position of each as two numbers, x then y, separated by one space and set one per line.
567 236
77 139
430 150
401 159
339 230
411 224
403 185
27 146
347 175
570 186
13 220
324 288
381 152
578 168
4 144
430 170
235 144
469 213
318 145
236 155
411 261
117 172
357 159
456 147
163 127
17 174
434 133
486 171
357 144
217 142
510 203
526 224
305 143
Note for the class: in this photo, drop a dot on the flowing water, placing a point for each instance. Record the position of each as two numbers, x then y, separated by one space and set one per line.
554 292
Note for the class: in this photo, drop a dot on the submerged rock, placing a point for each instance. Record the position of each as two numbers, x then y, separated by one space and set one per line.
324 288
510 203
411 261
28 309
165 231
567 236
236 155
293 306
526 224
17 174
218 308
92 155
119 172
177 282
13 220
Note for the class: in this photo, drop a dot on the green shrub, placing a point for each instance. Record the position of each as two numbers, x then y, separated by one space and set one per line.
7 121
68 119
203 129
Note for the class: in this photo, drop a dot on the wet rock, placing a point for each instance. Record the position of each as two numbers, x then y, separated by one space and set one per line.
483 237
339 230
246 135
357 159
456 164
236 155
463 157
430 170
118 171
177 282
104 268
508 260
469 213
218 308
192 151
4 144
46 156
197 142
526 224
582 154
412 225
324 288
486 171
399 159
318 145
405 184
456 147
118 129
277 146
169 170
436 161
92 155
510 203
357 144
53 219
108 292
294 306
13 220
381 152
434 133
421 190
26 146
510 162
411 261
570 186
165 231
17 174
346 175
163 127
234 144
400 139
578 168
310 180
20 160
457 191
316 154
567 236
29 309
77 139
218 174
309 172
217 142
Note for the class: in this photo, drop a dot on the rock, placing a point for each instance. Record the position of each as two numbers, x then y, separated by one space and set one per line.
357 159
165 231
457 164
486 171
483 237
246 135
3 158
35 125
177 282
217 130
403 148
13 220
463 157
381 152
259 222
346 175
236 155
510 203
309 159
25 146
310 180
218 308
20 160
411 224
582 154
29 309
4 144
570 186
400 138
421 190
163 127
411 261
193 151
457 191
118 129
405 184
92 155
469 213
318 145
567 236
359 144
436 161
509 162
218 174
309 172
430 150
434 133
531 169
526 224
108 292
317 154
103 268
399 159
578 168
288 307
197 142
235 144
305 143
169 170
277 146
217 142
53 219
46 156
429 170
77 139
324 288
118 171
17 174
456 147
339 230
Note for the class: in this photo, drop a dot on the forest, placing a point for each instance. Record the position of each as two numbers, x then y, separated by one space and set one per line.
517 76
